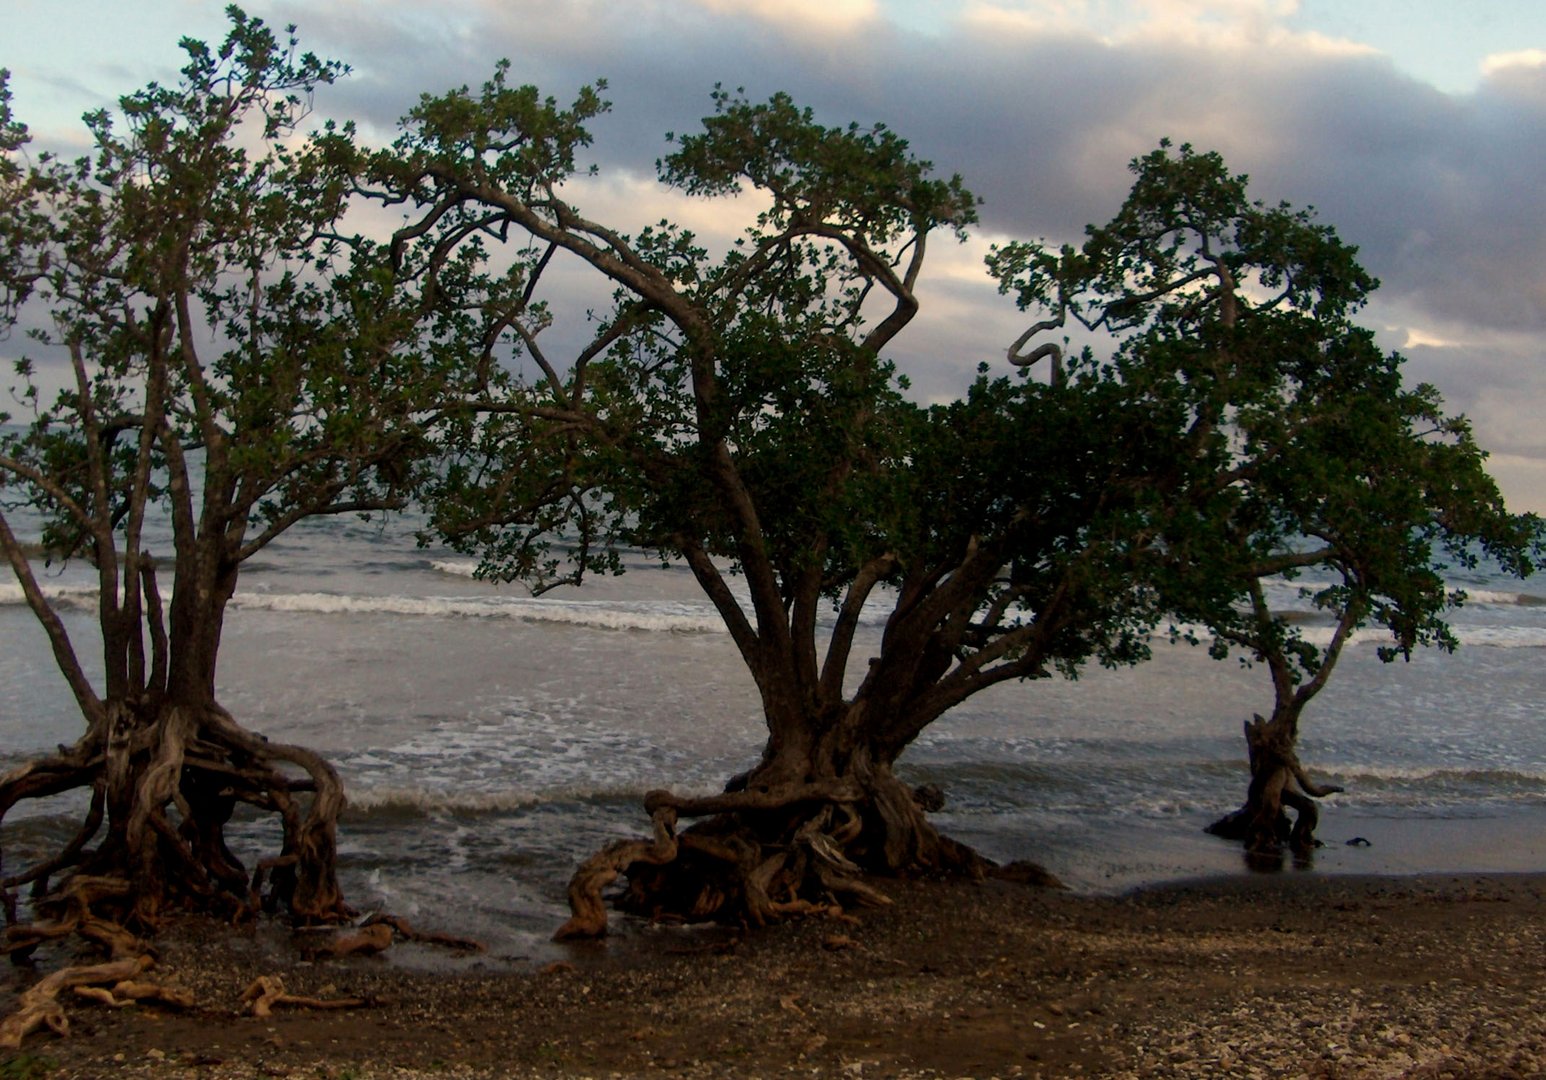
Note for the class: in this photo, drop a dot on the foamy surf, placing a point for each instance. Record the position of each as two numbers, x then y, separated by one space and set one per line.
673 616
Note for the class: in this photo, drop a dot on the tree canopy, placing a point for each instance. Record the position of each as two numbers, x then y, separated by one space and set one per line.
737 411
1315 457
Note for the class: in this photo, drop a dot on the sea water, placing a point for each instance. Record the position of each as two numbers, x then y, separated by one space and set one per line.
489 740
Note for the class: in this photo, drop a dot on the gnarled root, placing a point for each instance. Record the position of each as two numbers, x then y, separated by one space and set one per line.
767 853
164 781
589 918
73 910
114 983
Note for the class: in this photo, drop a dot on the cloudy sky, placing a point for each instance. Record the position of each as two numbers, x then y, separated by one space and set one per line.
1416 127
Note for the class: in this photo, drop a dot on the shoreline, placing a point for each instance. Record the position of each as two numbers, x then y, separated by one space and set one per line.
1325 975
1114 857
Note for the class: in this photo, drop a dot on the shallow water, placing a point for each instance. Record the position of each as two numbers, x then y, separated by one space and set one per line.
488 740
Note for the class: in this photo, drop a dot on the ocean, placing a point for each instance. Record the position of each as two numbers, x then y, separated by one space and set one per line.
489 740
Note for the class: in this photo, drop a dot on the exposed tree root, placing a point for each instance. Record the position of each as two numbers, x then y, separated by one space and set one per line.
1279 784
164 782
589 911
268 991
115 982
768 852
73 907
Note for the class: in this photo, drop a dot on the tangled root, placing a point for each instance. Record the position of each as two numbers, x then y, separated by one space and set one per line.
762 855
115 983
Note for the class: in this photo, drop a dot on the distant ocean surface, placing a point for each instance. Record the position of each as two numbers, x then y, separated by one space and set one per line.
489 740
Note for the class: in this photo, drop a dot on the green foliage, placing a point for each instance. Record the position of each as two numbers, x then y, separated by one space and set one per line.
859 181
1307 449
19 222
736 411
765 350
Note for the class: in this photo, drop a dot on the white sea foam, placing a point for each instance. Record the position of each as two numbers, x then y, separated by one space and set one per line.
1301 588
1502 598
1511 775
11 594
656 615
423 799
426 800
1499 637
679 616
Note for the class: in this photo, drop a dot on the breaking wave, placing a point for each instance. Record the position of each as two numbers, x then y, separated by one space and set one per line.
657 615
699 616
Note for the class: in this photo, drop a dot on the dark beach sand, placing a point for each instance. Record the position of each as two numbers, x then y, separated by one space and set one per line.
1272 976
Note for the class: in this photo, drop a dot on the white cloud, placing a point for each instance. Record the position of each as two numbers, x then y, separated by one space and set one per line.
1522 481
1227 24
801 16
1426 339
1499 63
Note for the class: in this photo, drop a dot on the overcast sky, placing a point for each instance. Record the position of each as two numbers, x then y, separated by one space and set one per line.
1416 127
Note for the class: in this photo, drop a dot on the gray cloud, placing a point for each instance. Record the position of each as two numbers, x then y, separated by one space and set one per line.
1442 192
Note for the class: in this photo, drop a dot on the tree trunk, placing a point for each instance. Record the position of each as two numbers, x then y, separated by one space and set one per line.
1278 785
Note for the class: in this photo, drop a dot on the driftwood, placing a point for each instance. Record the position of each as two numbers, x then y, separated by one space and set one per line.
376 934
131 992
367 940
408 932
267 991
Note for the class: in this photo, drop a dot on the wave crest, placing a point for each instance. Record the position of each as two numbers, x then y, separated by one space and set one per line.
607 615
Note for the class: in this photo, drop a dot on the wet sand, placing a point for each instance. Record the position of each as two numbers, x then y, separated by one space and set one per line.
1269 975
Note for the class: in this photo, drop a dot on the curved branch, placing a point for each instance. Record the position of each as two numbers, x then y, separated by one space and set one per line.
713 584
54 491
1351 616
841 643
589 918
59 638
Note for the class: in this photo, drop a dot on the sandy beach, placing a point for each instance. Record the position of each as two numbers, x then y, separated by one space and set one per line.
1275 975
